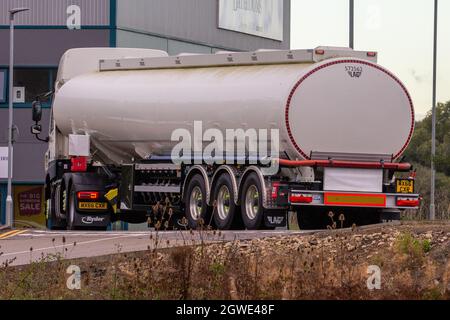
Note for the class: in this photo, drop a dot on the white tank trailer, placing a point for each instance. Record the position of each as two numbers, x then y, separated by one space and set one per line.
343 123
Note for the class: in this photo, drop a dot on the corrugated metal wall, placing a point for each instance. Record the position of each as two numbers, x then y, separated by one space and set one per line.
191 20
54 12
127 39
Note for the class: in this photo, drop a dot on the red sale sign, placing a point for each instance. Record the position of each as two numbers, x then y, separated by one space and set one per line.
30 202
29 209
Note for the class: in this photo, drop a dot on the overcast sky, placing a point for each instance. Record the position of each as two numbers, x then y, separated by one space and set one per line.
400 30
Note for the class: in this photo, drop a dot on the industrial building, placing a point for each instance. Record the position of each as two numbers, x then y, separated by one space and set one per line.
51 27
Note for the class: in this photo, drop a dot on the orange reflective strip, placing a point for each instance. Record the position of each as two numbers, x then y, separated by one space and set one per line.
364 200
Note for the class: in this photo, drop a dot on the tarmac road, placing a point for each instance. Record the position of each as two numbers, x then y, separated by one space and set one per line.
21 247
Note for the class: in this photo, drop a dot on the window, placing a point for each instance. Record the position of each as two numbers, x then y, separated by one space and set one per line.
36 81
2 86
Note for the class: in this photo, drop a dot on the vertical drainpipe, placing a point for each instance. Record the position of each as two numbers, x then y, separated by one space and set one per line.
2 204
113 23
352 25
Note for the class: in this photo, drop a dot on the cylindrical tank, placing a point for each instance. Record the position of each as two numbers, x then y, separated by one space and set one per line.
338 105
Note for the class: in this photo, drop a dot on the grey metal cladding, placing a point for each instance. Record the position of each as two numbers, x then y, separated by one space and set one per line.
47 46
28 152
192 20
54 12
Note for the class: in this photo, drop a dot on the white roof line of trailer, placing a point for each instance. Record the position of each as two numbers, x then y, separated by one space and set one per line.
259 57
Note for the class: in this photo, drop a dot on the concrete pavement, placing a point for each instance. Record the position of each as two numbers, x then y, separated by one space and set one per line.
21 247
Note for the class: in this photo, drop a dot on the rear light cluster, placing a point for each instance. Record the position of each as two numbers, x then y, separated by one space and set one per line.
320 52
301 198
79 164
408 202
88 195
371 54
275 189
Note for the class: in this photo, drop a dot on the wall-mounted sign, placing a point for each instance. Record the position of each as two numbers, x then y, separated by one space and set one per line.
19 94
262 18
29 206
3 162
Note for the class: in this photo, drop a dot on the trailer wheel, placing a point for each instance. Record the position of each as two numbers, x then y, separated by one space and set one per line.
252 203
198 213
226 212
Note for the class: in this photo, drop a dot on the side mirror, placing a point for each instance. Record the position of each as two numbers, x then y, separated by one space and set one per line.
37 111
36 129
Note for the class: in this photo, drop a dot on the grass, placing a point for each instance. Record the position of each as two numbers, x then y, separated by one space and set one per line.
407 244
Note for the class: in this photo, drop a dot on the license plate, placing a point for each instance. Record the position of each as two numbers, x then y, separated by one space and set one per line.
92 205
405 186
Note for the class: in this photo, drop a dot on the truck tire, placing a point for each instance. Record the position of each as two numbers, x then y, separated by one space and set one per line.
52 221
196 204
252 203
71 211
226 213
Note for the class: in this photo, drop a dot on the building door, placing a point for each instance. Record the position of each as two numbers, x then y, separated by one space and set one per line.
3 192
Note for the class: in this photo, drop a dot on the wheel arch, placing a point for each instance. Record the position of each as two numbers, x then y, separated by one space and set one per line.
232 173
197 169
247 172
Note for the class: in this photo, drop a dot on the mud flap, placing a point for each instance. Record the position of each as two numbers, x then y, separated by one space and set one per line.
92 220
275 219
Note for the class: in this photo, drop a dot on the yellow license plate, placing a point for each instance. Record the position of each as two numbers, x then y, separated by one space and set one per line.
405 186
93 205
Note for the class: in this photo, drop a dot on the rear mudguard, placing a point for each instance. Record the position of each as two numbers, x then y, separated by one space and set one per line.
89 182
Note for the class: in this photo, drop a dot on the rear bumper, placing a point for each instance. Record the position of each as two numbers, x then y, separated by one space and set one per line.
354 199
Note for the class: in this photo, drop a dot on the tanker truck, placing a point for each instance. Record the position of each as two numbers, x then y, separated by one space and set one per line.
130 130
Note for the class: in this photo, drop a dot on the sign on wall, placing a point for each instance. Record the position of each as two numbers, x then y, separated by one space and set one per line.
19 94
29 206
3 162
263 18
